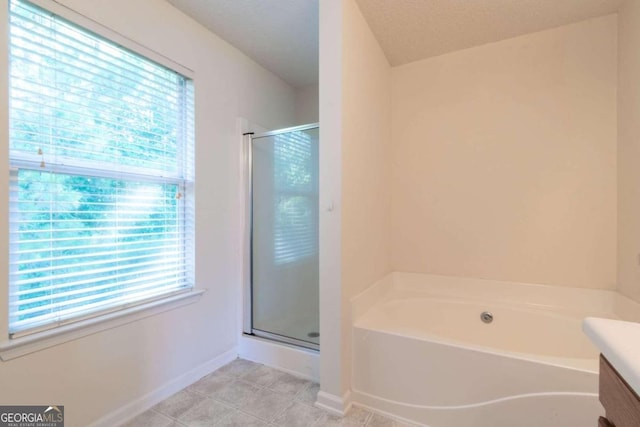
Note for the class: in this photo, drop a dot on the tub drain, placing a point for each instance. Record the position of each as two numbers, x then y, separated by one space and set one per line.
486 317
313 334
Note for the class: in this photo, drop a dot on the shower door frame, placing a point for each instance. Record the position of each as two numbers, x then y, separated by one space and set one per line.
247 327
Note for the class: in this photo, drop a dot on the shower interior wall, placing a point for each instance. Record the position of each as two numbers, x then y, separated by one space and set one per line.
505 159
629 149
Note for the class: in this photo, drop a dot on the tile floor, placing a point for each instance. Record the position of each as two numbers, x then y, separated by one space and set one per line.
249 394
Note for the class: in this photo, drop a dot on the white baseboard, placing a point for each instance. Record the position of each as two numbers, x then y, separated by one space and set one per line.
334 404
301 362
138 406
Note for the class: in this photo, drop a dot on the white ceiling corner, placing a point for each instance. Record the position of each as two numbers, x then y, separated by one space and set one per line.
280 35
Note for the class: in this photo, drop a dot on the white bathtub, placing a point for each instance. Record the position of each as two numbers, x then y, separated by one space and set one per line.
421 352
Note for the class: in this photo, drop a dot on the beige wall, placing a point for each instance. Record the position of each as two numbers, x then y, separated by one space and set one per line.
366 170
355 136
504 159
334 382
629 149
366 150
101 373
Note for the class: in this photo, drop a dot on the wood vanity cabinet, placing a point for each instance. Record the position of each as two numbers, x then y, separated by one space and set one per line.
621 403
602 422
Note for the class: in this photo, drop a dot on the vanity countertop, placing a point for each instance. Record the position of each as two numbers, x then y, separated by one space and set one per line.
619 343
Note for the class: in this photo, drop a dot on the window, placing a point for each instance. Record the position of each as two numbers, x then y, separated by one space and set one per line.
101 155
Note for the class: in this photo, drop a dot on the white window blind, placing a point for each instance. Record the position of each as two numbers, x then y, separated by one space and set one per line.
101 154
295 155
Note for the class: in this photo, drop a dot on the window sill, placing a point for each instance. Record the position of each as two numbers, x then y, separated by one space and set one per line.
11 349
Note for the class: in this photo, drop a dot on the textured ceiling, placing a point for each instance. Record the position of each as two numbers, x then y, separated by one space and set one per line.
410 30
281 35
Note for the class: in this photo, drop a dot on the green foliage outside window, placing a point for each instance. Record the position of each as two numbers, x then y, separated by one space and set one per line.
98 215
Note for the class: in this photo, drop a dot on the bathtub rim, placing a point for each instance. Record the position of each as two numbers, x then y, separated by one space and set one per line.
545 296
577 302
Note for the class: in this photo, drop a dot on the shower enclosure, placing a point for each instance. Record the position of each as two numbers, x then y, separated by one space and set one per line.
283 286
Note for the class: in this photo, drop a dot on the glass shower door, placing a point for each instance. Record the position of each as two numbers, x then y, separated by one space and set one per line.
284 246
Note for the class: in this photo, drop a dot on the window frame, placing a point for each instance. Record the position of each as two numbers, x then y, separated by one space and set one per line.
35 341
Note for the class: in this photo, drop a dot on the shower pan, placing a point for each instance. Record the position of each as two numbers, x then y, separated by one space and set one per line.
282 300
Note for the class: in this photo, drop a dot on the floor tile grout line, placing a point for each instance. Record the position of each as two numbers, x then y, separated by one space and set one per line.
293 396
167 416
282 411
222 402
291 402
315 424
239 409
269 386
305 389
262 420
233 410
206 397
289 399
292 399
369 414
